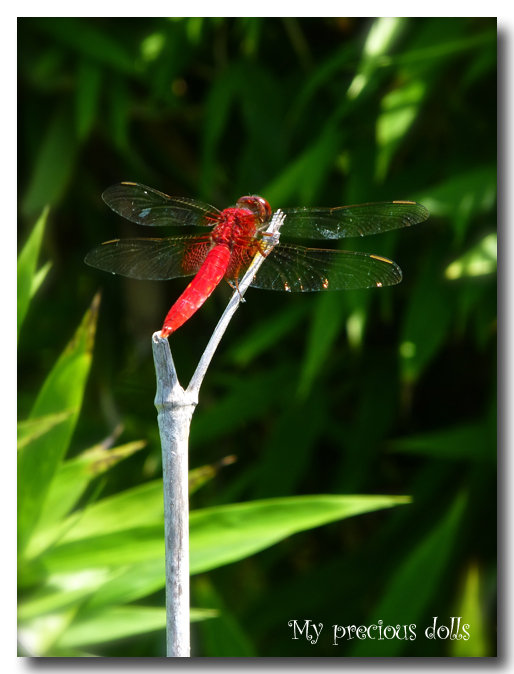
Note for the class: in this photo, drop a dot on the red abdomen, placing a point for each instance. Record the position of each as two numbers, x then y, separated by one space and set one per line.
207 278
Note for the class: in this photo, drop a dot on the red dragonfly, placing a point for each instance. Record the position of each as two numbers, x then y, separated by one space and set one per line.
237 235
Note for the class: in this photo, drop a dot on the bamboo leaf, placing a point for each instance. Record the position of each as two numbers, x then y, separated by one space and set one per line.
27 263
471 442
62 390
72 479
225 534
31 429
120 622
218 535
478 261
471 609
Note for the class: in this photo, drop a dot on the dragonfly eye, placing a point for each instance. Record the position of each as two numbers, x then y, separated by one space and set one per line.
257 205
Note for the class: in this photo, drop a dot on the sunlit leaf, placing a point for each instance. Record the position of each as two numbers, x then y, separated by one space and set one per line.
62 591
120 622
400 109
383 34
27 263
224 534
479 261
218 535
73 477
39 278
62 390
130 583
137 507
471 609
31 429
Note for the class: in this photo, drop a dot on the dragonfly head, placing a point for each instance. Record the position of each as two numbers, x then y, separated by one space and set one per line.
257 205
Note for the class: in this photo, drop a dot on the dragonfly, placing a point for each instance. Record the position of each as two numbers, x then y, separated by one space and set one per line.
232 237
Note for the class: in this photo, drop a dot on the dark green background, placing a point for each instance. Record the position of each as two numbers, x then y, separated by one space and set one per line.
387 391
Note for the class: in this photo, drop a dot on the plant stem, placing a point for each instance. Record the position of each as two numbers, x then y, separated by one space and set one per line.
175 407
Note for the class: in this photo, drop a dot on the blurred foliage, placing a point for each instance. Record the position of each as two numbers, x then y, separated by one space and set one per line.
390 391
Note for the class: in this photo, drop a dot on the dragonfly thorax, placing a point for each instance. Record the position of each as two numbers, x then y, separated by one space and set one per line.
234 224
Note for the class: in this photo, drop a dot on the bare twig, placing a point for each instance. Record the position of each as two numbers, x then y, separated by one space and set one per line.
175 407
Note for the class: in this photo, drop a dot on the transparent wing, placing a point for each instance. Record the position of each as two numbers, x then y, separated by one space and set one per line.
300 270
347 221
151 259
146 206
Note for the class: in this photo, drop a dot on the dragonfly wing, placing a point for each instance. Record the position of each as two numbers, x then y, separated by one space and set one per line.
298 269
146 206
151 259
348 221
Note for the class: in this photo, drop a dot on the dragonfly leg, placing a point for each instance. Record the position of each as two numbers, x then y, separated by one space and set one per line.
235 286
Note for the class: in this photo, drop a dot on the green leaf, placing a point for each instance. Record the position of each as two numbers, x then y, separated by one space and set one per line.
120 622
203 474
31 429
471 442
414 585
70 482
39 277
129 583
265 334
243 402
303 176
87 97
223 637
63 390
220 100
422 339
225 534
324 329
472 611
118 118
463 196
88 39
218 535
381 39
478 261
61 591
27 262
400 109
137 507
54 163
112 550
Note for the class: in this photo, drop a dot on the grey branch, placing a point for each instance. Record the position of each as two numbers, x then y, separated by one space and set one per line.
175 407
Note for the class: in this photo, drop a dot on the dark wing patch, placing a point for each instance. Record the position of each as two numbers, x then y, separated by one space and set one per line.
146 206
